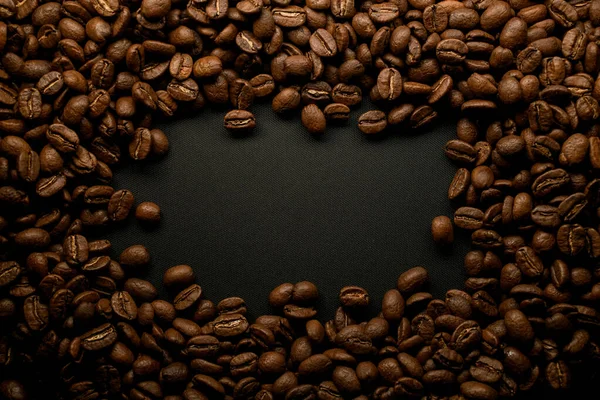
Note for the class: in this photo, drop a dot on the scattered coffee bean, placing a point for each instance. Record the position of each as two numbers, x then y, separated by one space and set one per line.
148 212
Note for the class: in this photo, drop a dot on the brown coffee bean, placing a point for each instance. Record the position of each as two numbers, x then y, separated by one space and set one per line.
478 390
178 276
442 230
262 85
354 296
323 43
228 325
389 83
99 338
451 51
337 112
62 138
135 256
187 297
313 119
148 212
239 121
124 306
372 122
120 204
413 280
141 145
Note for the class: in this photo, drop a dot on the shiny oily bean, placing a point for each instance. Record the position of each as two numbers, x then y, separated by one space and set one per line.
372 122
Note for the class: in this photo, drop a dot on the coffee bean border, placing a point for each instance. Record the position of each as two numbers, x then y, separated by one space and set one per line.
80 85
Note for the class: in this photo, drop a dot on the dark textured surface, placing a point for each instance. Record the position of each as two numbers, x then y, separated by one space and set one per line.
250 213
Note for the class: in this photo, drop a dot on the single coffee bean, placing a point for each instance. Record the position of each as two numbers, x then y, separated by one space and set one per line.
187 297
62 138
372 122
442 230
337 112
413 280
354 296
186 90
99 338
262 85
120 204
286 100
141 145
239 121
148 212
389 84
460 152
230 325
313 119
124 306
135 256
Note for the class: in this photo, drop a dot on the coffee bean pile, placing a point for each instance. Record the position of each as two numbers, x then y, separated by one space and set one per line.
81 82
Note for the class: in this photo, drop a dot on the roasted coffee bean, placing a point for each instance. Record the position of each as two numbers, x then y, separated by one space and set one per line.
477 390
288 99
442 230
9 271
62 138
124 306
372 122
148 212
187 297
239 121
336 112
349 95
120 204
389 84
262 85
227 325
460 152
99 338
451 51
323 43
354 296
313 119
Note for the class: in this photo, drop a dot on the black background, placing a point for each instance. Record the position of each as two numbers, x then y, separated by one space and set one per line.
283 206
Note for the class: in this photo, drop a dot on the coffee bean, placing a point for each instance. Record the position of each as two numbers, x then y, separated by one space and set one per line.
349 95
124 306
478 390
99 338
313 119
239 121
187 297
451 51
289 17
228 325
389 83
148 212
120 204
460 152
372 122
442 230
337 112
413 280
262 85
28 166
135 256
62 138
354 296
186 90
343 8
141 145
9 271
